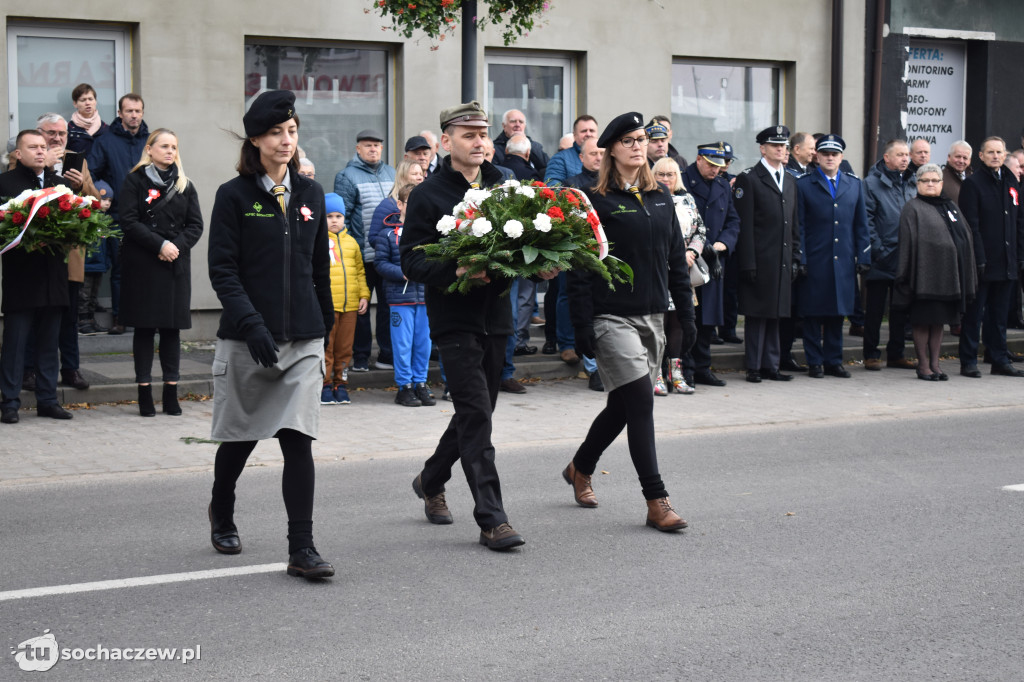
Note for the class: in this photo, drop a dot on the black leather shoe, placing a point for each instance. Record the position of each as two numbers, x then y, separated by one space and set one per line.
594 383
815 371
791 365
716 340
927 377
54 411
837 371
223 534
9 416
524 350
753 376
306 563
1007 371
549 348
971 371
28 381
74 379
708 379
731 338
773 375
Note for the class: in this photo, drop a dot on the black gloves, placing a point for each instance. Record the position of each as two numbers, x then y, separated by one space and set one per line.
689 332
713 261
262 347
749 276
981 271
863 268
794 274
585 340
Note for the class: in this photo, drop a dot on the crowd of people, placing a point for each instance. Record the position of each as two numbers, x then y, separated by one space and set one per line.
795 244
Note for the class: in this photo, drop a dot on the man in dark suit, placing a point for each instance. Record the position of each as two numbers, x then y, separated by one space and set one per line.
713 196
801 153
990 202
767 251
836 247
35 293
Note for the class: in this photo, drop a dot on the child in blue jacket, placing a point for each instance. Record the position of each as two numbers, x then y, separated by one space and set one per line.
410 331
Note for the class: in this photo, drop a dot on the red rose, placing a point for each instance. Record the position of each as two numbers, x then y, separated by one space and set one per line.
84 213
547 193
537 183
95 205
63 204
556 213
43 211
570 197
17 217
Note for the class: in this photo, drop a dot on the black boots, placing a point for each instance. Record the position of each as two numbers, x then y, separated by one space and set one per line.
223 533
171 405
146 407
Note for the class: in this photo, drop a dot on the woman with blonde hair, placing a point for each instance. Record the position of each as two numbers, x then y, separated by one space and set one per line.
406 173
161 222
666 173
624 327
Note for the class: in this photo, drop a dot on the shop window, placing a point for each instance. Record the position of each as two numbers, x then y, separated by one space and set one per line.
540 87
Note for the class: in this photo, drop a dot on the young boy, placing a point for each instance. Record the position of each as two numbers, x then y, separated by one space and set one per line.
410 332
351 298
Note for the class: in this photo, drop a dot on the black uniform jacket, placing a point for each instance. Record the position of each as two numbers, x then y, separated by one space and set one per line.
769 241
31 279
992 209
482 310
648 238
267 268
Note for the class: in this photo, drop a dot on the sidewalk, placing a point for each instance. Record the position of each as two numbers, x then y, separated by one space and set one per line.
106 363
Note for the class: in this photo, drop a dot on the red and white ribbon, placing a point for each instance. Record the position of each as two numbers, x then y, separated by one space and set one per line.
306 213
38 198
154 194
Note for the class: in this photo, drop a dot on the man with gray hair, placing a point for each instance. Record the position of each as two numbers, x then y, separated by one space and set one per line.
514 123
956 170
432 141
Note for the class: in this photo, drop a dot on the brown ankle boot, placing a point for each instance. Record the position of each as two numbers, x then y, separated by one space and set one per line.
662 516
580 485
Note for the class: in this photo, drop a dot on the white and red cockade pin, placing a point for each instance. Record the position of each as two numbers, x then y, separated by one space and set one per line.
1013 193
153 195
306 213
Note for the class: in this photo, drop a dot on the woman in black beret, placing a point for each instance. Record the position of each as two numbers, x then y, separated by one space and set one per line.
269 264
624 328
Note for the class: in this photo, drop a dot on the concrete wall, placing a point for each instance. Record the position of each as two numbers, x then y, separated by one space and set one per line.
188 64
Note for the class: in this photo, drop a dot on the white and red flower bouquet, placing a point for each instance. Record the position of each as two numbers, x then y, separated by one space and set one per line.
54 219
520 230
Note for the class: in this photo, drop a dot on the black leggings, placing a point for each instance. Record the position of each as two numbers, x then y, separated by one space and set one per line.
630 407
170 354
297 482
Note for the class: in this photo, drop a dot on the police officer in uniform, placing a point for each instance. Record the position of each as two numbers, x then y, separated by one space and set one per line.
767 251
713 196
836 248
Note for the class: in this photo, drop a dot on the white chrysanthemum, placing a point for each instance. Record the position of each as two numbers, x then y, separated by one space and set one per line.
481 226
542 222
527 192
513 183
513 228
460 208
446 224
476 196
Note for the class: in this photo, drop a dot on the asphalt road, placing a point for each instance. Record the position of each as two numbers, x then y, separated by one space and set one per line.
865 550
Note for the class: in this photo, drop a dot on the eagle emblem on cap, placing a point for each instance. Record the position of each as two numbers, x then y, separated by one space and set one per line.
778 130
291 113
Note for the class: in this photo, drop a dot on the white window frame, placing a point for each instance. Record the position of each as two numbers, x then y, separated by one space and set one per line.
122 59
515 58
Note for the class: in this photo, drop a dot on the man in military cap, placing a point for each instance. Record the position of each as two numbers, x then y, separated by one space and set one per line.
713 197
470 330
767 251
657 148
836 248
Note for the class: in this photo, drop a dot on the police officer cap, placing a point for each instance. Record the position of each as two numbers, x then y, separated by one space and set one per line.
774 135
830 143
369 134
465 114
269 109
656 131
416 142
619 126
716 153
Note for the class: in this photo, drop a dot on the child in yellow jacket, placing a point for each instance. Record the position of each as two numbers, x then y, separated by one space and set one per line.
351 298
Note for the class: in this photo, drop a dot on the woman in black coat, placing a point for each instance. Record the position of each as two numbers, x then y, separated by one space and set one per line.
161 222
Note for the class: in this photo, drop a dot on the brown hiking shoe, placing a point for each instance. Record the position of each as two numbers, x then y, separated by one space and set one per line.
662 516
580 485
434 506
501 537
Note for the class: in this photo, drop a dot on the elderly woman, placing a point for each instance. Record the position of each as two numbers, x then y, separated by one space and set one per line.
85 124
624 328
936 275
666 173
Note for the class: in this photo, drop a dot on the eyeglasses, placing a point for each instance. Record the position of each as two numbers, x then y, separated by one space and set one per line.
627 142
929 181
666 174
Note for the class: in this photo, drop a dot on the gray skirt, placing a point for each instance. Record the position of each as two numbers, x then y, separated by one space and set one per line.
252 402
627 348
